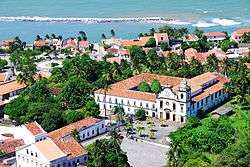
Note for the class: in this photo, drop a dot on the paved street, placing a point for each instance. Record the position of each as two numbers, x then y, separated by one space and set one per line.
142 154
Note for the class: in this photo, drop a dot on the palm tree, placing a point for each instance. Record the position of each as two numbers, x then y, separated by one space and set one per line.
105 81
83 35
112 32
104 36
53 36
119 111
47 36
151 31
38 38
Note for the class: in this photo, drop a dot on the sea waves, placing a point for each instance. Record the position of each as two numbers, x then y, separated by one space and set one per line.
84 20
160 20
216 22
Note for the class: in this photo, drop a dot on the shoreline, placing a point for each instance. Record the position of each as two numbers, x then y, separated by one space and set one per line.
85 20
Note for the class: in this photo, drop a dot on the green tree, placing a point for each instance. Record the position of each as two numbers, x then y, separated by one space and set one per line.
75 93
236 155
246 37
212 63
153 60
198 32
137 55
25 63
71 116
112 31
155 86
104 36
195 68
3 63
91 109
52 120
151 31
164 46
151 43
119 112
113 157
140 114
196 162
144 87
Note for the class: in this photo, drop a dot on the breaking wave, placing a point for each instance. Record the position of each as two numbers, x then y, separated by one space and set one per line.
204 24
85 20
225 22
216 22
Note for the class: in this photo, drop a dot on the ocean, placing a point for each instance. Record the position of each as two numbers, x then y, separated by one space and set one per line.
28 18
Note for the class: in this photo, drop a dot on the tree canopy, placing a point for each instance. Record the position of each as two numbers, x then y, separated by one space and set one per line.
113 157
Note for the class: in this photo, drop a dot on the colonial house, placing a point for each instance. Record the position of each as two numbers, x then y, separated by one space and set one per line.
9 90
59 147
83 45
190 38
237 35
120 53
178 99
161 37
138 42
70 43
215 36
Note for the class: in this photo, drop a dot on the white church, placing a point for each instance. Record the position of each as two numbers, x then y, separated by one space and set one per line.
179 97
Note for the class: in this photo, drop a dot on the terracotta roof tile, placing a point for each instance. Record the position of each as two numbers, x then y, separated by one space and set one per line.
125 88
62 137
34 128
9 145
212 89
84 44
161 36
11 86
139 42
241 31
216 34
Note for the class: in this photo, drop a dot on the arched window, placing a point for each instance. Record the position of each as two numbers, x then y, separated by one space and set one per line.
182 96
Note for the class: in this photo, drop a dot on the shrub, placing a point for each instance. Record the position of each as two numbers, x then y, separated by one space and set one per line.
140 114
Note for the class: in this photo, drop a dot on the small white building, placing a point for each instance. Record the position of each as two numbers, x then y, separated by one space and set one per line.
215 36
161 37
237 35
179 98
10 90
59 147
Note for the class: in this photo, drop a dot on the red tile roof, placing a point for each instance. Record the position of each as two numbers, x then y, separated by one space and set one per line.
241 31
62 137
40 43
34 128
3 165
161 36
83 44
139 42
213 88
9 145
124 88
11 86
202 56
3 76
190 38
215 34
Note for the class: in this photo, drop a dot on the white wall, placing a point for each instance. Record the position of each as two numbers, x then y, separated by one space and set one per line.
95 130
130 105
